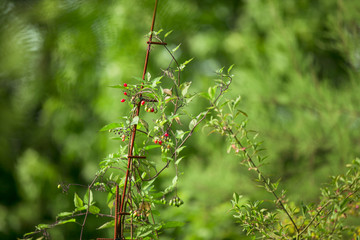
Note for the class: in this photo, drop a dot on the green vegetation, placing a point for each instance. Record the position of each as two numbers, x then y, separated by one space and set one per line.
296 69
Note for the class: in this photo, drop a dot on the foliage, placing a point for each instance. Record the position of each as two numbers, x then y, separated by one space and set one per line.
327 219
164 97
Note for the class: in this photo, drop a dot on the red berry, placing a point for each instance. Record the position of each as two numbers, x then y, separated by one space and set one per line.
122 100
166 134
152 110
142 102
125 84
155 141
125 93
160 142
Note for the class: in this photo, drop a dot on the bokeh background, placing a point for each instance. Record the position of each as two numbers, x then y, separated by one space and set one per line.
296 68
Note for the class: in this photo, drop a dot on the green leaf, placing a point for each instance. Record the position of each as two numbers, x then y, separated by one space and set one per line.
42 226
168 33
145 233
110 126
29 233
183 65
229 69
67 221
212 91
175 180
86 197
148 76
158 32
192 124
242 112
107 225
184 88
180 134
79 209
148 147
176 48
156 81
64 214
94 210
178 160
178 150
205 95
118 86
77 201
220 70
135 120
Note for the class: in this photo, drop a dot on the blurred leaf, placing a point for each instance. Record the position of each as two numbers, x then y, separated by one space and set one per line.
88 198
111 126
168 33
107 225
66 221
135 120
77 201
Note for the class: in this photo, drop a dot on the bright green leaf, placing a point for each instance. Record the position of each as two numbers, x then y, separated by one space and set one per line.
77 201
107 225
87 197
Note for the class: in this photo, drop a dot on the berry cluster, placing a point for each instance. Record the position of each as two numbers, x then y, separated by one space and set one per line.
163 200
125 93
162 139
121 132
138 215
150 109
176 201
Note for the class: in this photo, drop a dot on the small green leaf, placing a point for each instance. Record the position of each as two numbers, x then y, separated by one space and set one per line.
29 233
184 88
42 226
212 91
107 225
178 160
180 134
110 126
135 120
148 76
67 221
79 209
176 48
77 201
94 210
178 150
64 214
175 180
148 147
192 124
168 33
87 197
229 69
118 86
183 65
158 32
156 82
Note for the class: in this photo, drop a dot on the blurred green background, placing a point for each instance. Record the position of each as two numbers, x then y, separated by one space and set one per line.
297 68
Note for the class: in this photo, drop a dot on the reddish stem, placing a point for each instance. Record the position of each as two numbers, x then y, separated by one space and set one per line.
133 133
